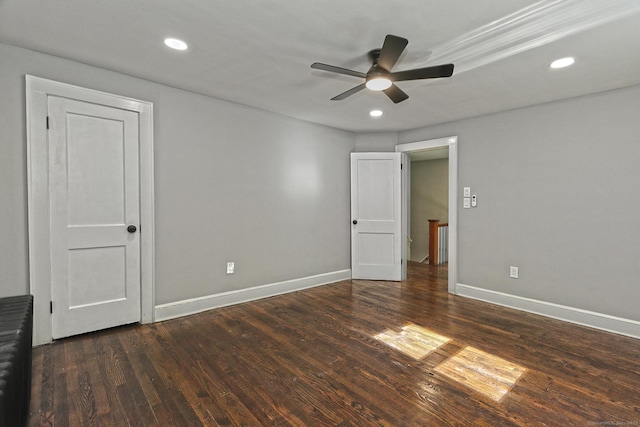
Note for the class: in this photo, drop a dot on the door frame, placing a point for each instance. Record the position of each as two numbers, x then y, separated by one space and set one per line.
37 92
450 142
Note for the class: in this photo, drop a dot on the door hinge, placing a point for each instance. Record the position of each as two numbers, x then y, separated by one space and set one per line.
400 163
47 122
51 307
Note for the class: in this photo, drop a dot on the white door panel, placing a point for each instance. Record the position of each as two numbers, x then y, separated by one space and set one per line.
375 248
375 189
95 171
94 196
96 275
376 216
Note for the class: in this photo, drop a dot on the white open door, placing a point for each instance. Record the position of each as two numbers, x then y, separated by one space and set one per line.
95 216
376 245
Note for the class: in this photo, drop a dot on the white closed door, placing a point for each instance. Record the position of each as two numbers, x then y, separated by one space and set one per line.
376 248
94 199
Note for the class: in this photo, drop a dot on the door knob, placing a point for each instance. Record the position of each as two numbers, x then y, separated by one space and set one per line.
355 221
132 229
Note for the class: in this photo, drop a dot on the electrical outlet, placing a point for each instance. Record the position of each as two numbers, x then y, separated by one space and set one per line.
231 267
513 272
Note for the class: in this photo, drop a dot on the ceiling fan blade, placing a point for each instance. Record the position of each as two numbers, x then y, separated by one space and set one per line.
445 70
391 51
396 94
350 92
339 70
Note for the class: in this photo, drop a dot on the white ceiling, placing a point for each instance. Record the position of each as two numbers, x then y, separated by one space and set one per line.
259 52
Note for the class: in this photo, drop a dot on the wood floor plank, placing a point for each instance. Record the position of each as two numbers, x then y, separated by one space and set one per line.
311 358
224 406
148 379
370 357
362 367
110 376
59 401
74 362
285 349
42 385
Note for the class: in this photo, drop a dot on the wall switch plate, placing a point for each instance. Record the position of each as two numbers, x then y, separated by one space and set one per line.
231 267
513 272
466 192
466 203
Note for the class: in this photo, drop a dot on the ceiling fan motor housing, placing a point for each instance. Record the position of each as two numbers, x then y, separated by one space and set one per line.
373 56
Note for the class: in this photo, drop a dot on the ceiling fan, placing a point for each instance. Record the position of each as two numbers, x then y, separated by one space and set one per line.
380 78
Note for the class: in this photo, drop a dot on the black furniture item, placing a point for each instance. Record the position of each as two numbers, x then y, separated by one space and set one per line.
16 326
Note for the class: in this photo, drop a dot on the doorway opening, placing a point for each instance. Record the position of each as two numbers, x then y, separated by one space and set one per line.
424 149
429 206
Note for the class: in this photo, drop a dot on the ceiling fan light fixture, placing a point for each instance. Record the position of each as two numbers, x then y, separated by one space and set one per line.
378 83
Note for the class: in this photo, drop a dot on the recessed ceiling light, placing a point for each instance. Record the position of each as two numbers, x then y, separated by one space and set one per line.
375 113
562 62
176 44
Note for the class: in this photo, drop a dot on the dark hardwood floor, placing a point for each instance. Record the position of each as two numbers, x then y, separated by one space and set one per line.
311 358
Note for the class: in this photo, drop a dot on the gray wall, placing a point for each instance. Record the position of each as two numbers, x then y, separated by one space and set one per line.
557 192
429 200
232 184
382 141
557 188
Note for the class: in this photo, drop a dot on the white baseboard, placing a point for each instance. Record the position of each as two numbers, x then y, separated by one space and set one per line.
196 305
591 319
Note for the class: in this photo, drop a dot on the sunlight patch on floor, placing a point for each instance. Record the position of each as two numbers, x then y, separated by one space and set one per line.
483 372
413 340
